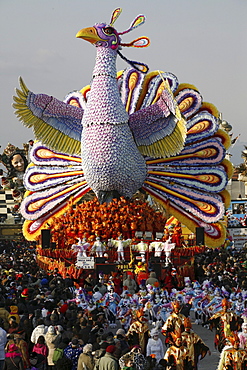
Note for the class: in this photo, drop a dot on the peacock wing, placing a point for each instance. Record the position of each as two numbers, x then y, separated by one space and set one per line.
191 185
55 123
54 182
158 126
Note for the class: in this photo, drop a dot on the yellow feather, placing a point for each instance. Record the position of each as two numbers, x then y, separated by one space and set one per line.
23 86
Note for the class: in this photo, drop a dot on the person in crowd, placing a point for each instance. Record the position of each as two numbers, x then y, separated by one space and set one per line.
41 347
130 284
73 351
40 329
109 361
3 341
243 336
138 332
50 338
195 345
38 361
174 322
18 339
177 355
85 360
13 359
59 354
224 322
152 279
4 315
233 357
155 346
121 338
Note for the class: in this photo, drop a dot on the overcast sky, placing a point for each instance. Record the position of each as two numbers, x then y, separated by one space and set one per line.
203 42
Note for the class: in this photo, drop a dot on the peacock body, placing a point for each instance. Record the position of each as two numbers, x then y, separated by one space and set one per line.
110 157
137 130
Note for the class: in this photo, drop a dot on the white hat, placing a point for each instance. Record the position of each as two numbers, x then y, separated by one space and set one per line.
51 330
87 348
121 332
154 332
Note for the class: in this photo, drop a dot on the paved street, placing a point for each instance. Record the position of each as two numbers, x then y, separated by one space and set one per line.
209 362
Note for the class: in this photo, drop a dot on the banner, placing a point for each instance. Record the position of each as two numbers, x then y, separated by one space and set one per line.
86 263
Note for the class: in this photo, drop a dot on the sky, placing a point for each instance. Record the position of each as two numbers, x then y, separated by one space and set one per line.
202 42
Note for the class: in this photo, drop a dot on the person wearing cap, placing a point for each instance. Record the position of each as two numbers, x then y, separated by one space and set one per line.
121 337
50 338
14 312
109 361
73 351
155 345
85 360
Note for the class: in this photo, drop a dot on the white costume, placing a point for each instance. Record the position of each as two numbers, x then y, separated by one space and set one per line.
81 248
155 346
142 248
167 247
243 336
120 244
98 247
158 248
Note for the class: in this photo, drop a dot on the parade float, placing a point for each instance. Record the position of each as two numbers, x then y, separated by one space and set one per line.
132 139
14 161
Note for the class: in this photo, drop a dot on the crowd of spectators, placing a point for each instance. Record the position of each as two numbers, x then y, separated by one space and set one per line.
44 327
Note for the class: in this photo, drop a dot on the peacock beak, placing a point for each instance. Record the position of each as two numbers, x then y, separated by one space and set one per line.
89 34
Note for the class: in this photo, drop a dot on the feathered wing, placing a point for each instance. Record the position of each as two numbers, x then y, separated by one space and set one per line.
191 185
158 126
54 181
56 123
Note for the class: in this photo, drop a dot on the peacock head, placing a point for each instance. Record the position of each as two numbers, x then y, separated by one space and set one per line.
105 35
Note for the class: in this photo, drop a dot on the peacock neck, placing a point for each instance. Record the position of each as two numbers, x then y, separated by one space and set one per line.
105 63
104 105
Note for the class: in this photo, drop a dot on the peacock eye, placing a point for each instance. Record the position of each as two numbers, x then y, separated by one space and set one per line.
108 30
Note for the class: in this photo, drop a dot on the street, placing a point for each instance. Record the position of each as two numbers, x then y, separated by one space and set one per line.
209 362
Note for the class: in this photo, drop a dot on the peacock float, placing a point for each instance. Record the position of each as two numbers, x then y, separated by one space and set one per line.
127 131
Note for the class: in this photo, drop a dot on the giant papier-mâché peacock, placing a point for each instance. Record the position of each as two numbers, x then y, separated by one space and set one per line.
137 130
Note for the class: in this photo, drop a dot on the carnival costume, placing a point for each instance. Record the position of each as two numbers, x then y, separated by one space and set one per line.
138 332
233 358
174 322
195 345
177 355
224 322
